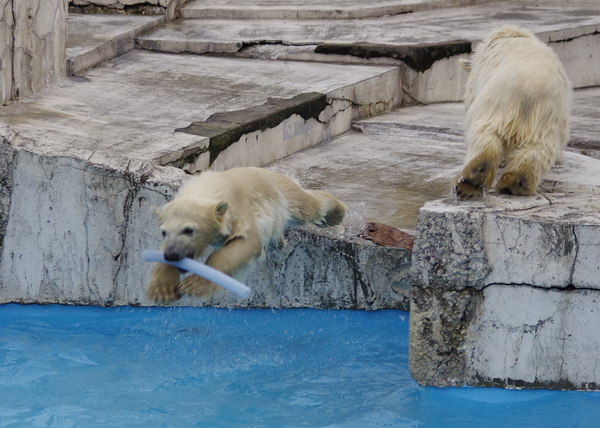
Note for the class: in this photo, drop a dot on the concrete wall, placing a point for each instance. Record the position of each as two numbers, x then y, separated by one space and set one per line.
505 293
32 46
72 230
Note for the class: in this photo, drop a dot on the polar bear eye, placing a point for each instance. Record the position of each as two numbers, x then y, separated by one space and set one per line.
188 231
164 234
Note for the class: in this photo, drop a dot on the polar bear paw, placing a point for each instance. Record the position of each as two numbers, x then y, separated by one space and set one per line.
476 177
163 290
517 183
197 286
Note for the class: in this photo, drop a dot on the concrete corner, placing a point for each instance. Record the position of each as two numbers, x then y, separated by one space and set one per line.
504 292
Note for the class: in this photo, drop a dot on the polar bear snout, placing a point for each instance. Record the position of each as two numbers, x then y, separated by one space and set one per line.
176 252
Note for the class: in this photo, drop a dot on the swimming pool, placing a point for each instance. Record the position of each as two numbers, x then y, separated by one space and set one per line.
66 366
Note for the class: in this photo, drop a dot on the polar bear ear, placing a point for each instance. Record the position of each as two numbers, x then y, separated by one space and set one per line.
466 64
221 209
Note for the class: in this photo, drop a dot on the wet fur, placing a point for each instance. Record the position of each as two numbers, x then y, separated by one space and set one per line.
518 105
238 212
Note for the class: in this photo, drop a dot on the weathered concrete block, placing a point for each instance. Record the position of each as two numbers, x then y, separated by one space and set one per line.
66 238
325 270
6 43
39 40
72 230
168 8
504 292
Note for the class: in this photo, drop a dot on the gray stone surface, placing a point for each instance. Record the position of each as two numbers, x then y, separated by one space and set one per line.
40 32
85 154
131 106
471 23
94 38
384 174
6 43
505 336
167 8
76 226
312 9
32 46
325 270
573 32
443 121
82 243
504 289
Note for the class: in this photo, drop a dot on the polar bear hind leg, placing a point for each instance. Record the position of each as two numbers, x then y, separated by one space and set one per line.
480 167
524 171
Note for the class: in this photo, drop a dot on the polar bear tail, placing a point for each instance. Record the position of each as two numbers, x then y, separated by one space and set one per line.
331 211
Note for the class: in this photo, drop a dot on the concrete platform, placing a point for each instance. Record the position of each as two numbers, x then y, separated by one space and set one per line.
94 38
132 106
312 9
422 43
407 157
89 157
166 8
446 121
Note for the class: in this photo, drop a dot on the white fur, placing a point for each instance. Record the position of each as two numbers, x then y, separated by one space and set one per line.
518 100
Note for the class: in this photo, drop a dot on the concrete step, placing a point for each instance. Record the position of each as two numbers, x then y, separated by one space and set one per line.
141 106
166 8
96 153
95 38
407 157
312 9
423 43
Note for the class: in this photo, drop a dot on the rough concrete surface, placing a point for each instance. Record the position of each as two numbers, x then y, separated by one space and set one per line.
315 9
505 336
325 270
516 278
32 46
571 31
85 154
167 8
96 38
6 43
471 23
131 106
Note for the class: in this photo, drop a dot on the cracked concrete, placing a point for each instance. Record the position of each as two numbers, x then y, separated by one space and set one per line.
528 271
572 29
32 41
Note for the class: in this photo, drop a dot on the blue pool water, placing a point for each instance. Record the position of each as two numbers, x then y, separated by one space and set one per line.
205 367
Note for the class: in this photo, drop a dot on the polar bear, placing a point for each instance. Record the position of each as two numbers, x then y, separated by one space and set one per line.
238 212
518 100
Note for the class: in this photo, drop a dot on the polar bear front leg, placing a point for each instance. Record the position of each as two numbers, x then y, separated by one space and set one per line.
233 256
162 286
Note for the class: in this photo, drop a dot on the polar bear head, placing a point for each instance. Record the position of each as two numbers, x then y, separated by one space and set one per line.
189 227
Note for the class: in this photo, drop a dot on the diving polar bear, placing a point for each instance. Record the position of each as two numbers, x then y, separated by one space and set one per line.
518 100
239 212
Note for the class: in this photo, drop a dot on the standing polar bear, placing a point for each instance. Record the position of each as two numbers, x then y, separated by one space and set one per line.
237 212
518 104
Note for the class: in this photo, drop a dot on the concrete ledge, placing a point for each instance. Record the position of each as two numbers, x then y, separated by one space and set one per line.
97 38
168 8
326 270
504 289
314 9
82 243
405 40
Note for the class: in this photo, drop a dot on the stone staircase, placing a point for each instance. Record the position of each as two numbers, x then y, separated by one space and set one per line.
313 89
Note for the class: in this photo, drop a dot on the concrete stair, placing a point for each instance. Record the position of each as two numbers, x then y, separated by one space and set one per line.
425 44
